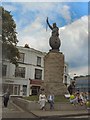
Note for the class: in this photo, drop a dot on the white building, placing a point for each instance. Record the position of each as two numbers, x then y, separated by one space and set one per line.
66 77
31 66
27 78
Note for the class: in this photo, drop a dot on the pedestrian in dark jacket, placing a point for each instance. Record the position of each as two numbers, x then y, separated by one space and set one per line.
71 88
6 98
51 101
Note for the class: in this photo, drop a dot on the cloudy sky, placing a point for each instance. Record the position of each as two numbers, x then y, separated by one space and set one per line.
72 20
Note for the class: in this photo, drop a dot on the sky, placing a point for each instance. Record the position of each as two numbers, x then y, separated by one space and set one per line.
70 17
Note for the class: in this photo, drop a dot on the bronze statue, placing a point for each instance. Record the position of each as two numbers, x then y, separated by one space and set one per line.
54 28
54 40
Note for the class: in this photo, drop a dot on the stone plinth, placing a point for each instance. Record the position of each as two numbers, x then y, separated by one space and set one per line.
53 73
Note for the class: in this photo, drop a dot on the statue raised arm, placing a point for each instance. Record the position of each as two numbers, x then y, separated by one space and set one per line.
49 24
54 28
54 40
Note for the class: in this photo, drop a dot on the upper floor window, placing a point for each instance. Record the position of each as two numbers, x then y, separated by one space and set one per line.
20 72
38 61
38 74
65 79
65 69
21 59
4 70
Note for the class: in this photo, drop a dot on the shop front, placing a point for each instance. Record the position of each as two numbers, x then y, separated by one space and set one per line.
35 86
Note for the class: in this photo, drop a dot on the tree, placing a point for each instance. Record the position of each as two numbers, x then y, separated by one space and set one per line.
9 37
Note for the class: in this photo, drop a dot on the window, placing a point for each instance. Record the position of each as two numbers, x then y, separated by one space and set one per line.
38 74
20 72
35 90
4 70
38 61
21 59
65 79
24 89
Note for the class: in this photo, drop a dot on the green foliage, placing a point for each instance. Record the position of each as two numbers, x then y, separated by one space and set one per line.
60 99
57 98
32 98
9 37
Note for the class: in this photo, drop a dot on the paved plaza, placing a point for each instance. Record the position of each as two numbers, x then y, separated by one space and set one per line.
14 111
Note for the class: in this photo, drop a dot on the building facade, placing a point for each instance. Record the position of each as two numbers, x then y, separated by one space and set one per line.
66 77
27 78
31 67
82 83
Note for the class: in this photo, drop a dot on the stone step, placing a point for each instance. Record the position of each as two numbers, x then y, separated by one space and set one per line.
32 105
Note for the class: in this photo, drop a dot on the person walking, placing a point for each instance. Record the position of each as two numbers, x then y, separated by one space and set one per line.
71 88
6 98
51 101
42 101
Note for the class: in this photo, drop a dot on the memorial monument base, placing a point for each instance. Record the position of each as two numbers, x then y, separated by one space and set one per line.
54 73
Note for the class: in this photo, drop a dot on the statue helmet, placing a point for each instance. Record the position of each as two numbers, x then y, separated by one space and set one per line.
54 24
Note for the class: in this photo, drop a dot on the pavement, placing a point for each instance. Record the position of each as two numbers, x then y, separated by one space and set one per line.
14 111
66 110
64 113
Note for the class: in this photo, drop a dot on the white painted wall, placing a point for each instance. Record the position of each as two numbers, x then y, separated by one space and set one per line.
30 63
66 74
